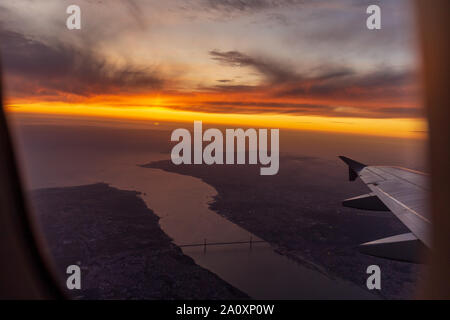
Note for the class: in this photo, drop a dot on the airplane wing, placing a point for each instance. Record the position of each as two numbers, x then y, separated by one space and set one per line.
404 193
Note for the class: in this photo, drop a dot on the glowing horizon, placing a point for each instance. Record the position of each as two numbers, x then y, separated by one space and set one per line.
403 128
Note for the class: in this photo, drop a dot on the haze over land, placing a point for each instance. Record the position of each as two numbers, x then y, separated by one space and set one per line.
298 210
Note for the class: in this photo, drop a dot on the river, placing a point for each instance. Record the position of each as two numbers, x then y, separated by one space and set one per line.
181 202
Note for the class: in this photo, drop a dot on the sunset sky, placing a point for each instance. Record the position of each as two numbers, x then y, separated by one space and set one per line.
307 64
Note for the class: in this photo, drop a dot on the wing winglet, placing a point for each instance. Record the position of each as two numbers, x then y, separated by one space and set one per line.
354 167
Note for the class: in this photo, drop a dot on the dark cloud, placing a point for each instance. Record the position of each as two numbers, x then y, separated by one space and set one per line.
304 109
325 82
257 108
274 72
261 106
388 83
231 88
54 69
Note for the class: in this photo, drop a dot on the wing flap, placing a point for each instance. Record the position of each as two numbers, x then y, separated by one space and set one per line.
403 247
415 221
368 201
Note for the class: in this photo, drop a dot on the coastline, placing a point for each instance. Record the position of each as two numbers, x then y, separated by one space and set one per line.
296 218
118 244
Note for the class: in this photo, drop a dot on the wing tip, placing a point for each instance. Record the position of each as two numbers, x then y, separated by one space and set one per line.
354 167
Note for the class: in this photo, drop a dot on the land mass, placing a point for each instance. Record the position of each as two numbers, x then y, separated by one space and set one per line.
120 247
298 211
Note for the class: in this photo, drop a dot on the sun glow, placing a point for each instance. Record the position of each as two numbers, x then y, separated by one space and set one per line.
156 110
